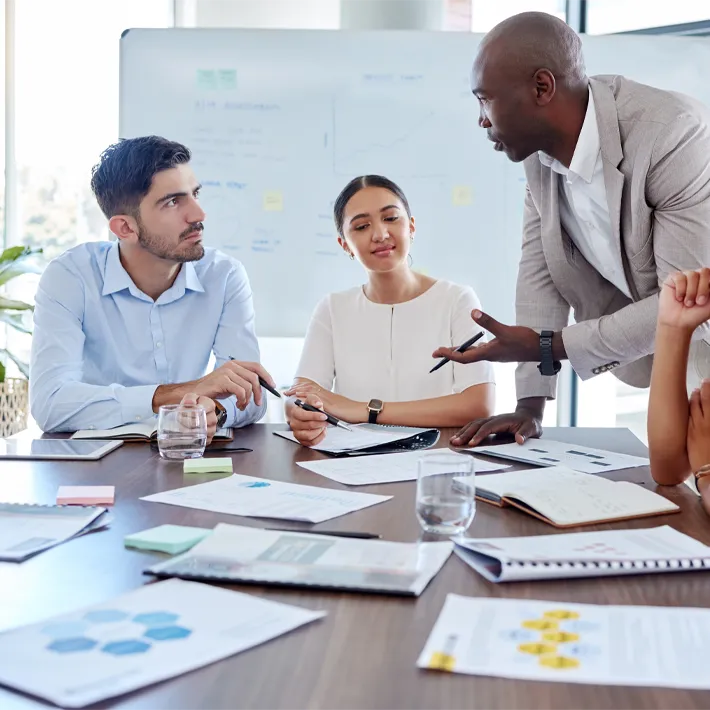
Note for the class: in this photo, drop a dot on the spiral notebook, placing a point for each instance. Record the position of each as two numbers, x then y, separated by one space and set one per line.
364 439
587 554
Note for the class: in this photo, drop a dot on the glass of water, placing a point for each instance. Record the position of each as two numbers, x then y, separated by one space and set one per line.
182 431
446 493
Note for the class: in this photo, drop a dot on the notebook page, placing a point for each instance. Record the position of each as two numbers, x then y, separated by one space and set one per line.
145 429
567 497
338 440
659 543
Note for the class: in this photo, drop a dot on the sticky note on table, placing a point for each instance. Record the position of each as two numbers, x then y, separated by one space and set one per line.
209 465
273 201
172 539
85 495
462 196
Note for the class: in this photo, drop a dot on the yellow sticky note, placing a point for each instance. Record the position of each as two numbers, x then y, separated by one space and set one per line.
273 201
462 196
442 662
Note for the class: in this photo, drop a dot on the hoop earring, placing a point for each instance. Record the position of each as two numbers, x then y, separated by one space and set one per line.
352 256
410 259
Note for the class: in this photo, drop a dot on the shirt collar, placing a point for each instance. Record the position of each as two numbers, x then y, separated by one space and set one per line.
116 278
586 151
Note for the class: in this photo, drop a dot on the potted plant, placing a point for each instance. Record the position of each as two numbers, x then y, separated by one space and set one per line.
14 391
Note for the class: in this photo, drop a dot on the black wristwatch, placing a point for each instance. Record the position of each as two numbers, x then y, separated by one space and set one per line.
374 407
548 365
221 414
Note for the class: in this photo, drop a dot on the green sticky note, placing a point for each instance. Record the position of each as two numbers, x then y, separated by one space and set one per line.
166 538
207 79
208 465
227 79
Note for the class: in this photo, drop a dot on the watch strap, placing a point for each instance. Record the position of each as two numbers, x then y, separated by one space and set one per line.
548 365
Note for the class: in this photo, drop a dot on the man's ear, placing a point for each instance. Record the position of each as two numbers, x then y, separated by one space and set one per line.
124 227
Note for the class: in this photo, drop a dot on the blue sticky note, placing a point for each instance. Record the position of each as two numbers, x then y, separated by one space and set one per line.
172 539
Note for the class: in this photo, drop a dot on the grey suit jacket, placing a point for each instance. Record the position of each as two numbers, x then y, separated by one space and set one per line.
655 149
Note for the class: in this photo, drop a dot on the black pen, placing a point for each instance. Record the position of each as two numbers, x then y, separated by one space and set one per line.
333 533
460 349
328 417
265 384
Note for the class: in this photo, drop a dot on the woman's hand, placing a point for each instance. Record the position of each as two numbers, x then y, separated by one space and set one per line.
341 407
685 299
308 427
699 427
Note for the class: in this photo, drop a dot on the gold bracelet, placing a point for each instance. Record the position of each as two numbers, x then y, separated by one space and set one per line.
702 472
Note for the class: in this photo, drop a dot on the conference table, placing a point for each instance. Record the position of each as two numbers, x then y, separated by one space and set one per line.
363 653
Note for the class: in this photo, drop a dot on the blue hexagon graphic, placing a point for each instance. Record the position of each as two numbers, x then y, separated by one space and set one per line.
125 648
156 618
105 616
167 633
65 629
72 645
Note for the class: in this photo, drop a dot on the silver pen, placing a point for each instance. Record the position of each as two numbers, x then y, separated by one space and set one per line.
328 417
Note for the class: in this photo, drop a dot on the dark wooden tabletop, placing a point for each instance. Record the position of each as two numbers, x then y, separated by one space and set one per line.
363 654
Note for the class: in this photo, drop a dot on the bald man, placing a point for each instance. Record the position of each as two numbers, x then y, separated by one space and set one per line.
618 196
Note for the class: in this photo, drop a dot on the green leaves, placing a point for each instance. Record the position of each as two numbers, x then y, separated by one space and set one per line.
23 367
15 261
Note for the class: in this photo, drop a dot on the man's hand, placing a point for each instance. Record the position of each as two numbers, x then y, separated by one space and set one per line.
512 343
685 299
211 414
525 423
237 378
699 427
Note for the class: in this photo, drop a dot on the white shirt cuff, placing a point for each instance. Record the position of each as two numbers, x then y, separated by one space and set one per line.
136 402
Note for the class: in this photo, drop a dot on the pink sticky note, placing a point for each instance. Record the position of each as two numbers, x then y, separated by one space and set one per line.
85 495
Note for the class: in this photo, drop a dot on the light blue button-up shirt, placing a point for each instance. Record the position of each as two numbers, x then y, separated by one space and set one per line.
101 346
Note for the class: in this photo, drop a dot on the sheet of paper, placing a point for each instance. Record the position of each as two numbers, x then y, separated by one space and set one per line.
659 543
571 643
362 436
569 497
262 498
383 468
544 452
156 632
27 529
246 553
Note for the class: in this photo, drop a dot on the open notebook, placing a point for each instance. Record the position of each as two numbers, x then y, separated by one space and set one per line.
566 498
585 554
371 439
139 431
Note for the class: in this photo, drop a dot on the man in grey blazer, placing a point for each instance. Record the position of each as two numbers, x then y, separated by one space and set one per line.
618 197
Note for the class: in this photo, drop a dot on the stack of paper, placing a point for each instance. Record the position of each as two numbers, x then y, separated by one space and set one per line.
262 498
384 468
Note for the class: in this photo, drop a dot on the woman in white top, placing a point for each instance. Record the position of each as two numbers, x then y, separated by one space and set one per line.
368 350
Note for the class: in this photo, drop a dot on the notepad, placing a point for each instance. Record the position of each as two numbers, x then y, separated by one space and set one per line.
566 498
139 431
210 465
85 495
584 554
172 539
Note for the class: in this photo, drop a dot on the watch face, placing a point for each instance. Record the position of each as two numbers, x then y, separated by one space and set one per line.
375 405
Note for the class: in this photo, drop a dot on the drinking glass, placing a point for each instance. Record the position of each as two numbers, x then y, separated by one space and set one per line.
182 431
446 493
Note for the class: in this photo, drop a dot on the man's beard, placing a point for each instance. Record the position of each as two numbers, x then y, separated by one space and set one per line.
164 249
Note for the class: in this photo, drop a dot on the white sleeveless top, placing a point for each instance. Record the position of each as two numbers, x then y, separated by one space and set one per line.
364 350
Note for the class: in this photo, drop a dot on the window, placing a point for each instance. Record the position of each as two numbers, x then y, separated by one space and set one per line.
67 110
485 14
607 16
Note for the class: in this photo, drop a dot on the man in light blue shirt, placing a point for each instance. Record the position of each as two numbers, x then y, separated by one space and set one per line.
124 327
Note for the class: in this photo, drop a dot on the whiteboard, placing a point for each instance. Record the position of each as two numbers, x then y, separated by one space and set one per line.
280 120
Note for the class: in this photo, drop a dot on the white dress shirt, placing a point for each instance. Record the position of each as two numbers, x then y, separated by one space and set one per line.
584 211
364 350
101 346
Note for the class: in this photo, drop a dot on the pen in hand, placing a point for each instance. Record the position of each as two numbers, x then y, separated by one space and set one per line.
328 417
265 384
460 349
